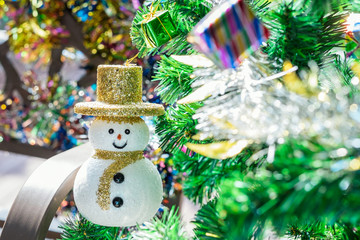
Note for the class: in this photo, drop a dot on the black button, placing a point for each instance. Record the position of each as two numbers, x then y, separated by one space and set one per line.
119 177
118 202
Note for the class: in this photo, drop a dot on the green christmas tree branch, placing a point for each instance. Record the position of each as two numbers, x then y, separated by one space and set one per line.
79 228
208 224
204 175
298 186
168 227
301 36
174 80
176 127
319 230
184 13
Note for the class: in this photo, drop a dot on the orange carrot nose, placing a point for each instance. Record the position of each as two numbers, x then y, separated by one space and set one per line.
119 137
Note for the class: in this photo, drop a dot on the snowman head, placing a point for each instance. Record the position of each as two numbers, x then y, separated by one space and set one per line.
119 134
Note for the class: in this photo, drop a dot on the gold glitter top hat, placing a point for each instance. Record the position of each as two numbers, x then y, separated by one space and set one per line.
119 93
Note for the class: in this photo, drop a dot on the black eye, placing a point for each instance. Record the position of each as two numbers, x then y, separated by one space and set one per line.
111 131
127 131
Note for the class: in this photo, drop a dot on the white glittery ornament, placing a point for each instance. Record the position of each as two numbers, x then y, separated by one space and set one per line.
117 187
135 191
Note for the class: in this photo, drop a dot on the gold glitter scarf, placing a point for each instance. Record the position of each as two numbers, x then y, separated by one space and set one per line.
121 160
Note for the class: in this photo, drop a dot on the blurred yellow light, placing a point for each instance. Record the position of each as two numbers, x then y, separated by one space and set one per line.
355 164
353 107
211 235
3 106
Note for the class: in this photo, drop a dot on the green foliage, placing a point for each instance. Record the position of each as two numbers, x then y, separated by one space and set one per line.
314 230
176 126
300 36
209 225
298 186
342 65
169 227
319 230
80 229
174 80
205 174
259 7
185 14
355 5
323 6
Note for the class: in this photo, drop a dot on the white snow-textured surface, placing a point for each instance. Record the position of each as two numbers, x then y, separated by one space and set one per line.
136 140
141 192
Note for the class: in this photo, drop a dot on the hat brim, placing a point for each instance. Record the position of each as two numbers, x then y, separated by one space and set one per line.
114 110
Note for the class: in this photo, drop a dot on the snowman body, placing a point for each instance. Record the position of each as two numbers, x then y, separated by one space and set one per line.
113 190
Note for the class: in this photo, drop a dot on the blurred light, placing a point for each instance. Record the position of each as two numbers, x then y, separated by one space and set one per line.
8 101
322 97
355 81
353 107
355 143
344 184
3 106
341 152
355 164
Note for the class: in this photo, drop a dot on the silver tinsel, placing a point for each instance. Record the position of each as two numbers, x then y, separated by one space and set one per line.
249 103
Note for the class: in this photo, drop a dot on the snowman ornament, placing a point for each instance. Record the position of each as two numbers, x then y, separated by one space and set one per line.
117 186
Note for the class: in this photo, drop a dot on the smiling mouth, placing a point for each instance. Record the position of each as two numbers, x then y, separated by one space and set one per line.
119 147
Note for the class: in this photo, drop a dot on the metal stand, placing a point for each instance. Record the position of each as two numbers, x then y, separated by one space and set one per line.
35 205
